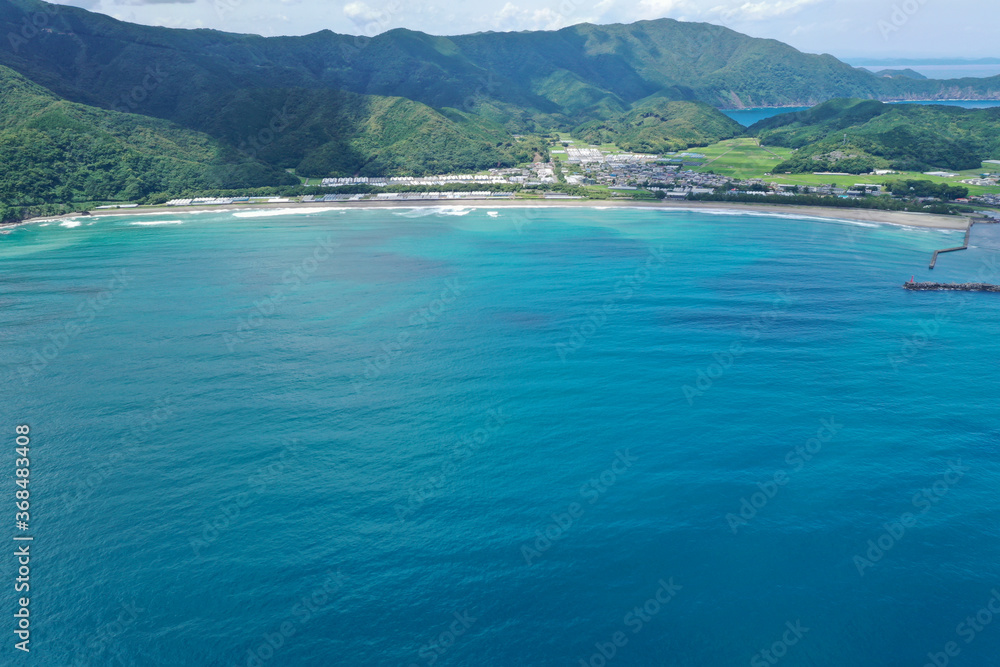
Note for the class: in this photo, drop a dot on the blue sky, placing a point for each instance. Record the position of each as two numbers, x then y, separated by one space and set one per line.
845 28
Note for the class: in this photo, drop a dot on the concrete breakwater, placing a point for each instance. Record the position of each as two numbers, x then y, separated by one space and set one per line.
952 287
964 246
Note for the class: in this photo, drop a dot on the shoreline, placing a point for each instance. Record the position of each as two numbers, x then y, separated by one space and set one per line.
901 218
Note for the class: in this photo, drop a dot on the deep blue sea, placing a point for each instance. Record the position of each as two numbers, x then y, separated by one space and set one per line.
526 437
748 117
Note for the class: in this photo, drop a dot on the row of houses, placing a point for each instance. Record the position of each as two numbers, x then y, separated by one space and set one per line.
218 201
444 179
439 196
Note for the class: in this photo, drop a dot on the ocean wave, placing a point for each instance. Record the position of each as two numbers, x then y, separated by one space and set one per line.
843 221
70 223
768 214
151 223
275 212
423 212
816 218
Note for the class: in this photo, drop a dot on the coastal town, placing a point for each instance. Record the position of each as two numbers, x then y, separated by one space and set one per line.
575 172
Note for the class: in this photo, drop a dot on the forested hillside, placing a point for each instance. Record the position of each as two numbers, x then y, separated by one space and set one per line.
660 126
52 150
858 136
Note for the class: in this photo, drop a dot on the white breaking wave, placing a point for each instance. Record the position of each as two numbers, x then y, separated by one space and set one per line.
157 222
777 214
435 210
493 214
70 223
455 210
272 213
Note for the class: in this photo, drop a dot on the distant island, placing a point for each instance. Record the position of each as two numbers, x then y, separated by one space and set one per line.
896 73
917 62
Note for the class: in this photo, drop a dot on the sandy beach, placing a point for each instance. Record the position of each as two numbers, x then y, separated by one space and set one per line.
830 213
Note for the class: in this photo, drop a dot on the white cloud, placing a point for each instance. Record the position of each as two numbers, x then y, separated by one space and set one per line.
769 9
369 20
509 11
730 10
359 12
515 17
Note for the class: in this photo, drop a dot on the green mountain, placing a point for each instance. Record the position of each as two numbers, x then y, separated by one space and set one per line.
52 150
527 81
858 136
335 133
660 126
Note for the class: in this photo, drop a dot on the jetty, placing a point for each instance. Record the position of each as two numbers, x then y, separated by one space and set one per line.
964 246
951 287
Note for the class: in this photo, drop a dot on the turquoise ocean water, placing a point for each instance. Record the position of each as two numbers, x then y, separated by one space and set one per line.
531 437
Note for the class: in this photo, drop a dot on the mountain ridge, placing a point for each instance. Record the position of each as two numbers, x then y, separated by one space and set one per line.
555 73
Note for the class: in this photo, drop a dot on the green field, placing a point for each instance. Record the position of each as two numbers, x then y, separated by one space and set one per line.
743 159
846 181
573 143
